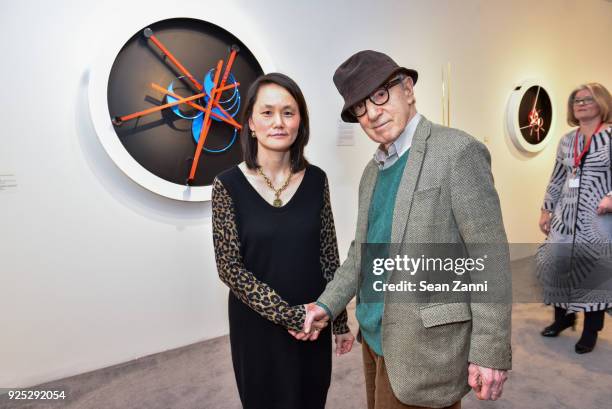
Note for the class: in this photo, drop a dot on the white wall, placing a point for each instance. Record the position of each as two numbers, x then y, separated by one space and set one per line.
95 270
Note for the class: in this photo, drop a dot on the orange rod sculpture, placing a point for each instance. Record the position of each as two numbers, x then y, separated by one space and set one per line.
229 120
216 96
148 33
118 120
204 131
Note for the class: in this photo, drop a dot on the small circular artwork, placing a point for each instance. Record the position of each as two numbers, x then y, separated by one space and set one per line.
529 116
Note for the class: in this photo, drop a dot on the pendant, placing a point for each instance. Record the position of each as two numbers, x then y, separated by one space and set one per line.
277 202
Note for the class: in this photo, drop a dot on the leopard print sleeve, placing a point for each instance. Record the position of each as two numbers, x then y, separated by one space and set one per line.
256 294
330 259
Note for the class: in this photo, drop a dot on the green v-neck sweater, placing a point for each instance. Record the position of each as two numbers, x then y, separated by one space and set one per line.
380 220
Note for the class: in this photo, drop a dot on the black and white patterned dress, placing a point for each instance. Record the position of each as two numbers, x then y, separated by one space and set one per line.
575 262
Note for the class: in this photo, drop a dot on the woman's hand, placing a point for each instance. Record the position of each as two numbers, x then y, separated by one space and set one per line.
302 336
605 206
344 343
545 221
314 334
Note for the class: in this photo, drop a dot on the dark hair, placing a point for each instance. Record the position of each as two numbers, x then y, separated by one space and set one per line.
249 144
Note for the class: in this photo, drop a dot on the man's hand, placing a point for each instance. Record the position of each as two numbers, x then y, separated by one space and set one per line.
317 325
314 314
344 343
487 383
605 206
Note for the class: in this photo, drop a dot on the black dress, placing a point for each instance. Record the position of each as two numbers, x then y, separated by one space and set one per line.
275 260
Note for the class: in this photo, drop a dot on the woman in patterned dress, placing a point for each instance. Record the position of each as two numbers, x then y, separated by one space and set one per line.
275 247
576 216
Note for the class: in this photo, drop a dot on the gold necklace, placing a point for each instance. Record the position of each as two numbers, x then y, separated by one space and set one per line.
277 202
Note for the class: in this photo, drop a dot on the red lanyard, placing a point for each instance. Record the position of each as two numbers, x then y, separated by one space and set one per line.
578 158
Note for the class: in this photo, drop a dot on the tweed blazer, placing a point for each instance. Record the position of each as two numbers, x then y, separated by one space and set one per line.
446 195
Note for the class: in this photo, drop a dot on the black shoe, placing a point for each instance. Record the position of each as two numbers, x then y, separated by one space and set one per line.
587 342
559 325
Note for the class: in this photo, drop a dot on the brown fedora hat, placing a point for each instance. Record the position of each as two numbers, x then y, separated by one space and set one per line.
361 74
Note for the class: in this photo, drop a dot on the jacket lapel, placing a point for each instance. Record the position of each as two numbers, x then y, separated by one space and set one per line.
403 200
367 189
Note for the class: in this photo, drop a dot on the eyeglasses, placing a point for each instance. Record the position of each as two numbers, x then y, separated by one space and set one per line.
379 97
583 101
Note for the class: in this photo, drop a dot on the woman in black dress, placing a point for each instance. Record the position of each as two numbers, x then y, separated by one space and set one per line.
275 246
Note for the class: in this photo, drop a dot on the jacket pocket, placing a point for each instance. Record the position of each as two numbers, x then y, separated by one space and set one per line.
425 207
440 314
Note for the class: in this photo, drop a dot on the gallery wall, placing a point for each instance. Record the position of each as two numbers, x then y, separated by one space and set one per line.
95 270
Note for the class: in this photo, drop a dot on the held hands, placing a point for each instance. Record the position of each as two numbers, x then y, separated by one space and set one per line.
487 383
316 319
605 206
545 221
314 316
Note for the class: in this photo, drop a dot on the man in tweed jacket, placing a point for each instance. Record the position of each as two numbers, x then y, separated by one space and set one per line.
427 354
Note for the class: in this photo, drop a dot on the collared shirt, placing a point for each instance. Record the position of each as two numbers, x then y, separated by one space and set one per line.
398 147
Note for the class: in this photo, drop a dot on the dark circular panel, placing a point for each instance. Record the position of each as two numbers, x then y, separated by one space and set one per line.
163 142
535 115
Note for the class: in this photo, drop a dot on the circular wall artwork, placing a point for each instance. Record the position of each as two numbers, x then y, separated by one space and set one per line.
529 116
174 102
